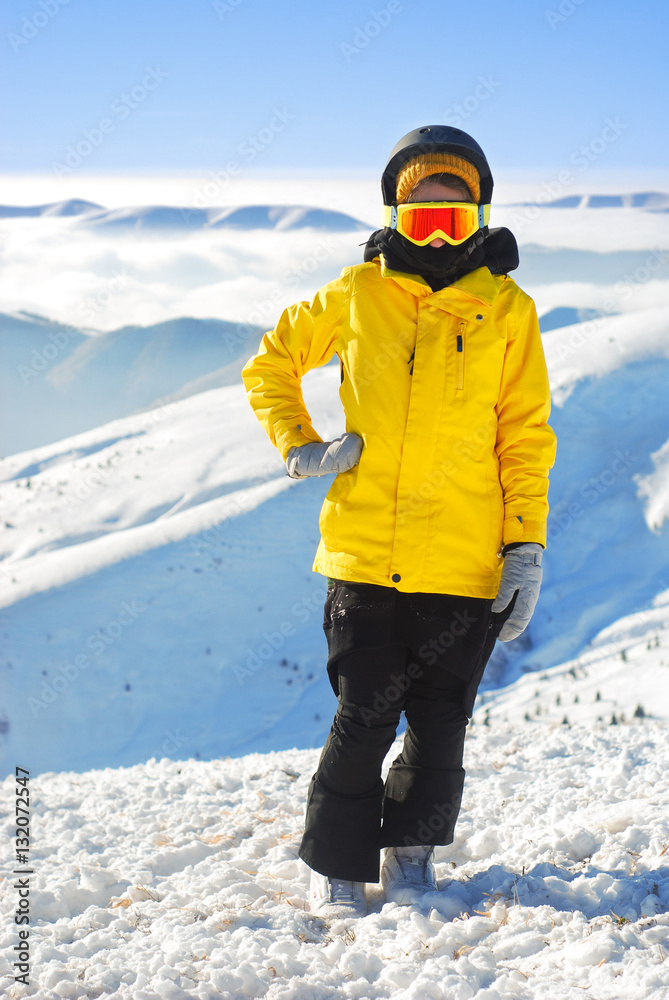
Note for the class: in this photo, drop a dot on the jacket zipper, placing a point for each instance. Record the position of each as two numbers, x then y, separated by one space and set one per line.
460 354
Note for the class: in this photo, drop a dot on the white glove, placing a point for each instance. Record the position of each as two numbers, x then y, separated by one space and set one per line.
521 572
318 458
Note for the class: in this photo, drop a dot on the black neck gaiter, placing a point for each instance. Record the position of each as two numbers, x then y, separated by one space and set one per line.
441 266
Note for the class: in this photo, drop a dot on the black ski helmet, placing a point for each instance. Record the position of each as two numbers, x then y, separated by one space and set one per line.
435 139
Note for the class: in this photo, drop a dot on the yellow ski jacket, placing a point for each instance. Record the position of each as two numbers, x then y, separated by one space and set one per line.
449 392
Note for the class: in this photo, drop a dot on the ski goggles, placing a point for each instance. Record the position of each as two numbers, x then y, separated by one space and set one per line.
423 221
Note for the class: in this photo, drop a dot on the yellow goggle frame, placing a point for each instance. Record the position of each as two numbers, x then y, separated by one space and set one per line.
423 221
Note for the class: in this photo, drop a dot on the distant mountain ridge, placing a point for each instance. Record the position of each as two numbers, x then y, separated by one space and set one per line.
71 206
653 201
56 381
166 217
280 216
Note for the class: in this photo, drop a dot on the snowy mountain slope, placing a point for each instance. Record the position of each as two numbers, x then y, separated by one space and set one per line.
23 339
165 512
555 319
602 346
180 879
166 217
622 674
70 206
651 200
607 377
56 381
187 511
655 488
542 265
286 217
606 229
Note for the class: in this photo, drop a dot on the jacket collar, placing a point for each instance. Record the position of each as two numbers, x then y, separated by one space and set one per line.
463 298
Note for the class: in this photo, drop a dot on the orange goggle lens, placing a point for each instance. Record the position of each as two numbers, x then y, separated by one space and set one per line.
457 223
421 222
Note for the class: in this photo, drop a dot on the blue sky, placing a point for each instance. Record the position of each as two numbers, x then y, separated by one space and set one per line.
329 87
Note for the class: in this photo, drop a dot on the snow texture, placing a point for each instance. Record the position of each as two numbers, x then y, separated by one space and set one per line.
175 879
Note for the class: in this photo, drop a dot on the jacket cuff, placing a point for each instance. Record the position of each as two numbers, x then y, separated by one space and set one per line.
292 437
526 530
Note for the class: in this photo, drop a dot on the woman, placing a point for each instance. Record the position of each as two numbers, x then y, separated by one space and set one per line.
433 529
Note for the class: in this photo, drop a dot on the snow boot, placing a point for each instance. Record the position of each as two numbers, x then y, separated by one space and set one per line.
332 898
407 873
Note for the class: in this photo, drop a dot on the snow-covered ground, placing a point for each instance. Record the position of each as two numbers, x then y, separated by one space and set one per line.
180 879
621 675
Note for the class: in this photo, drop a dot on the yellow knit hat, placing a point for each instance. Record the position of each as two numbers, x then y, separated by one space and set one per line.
436 163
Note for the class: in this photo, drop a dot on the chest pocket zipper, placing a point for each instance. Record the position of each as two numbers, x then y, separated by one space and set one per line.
460 357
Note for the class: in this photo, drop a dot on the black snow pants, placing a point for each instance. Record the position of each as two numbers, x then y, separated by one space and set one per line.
389 652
